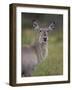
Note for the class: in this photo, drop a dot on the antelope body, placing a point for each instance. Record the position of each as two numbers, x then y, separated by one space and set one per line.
36 53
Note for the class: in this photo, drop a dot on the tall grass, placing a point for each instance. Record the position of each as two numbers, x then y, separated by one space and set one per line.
53 65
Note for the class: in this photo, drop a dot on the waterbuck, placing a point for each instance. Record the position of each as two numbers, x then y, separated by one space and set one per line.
36 53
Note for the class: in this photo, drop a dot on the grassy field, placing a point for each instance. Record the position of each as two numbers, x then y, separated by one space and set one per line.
53 65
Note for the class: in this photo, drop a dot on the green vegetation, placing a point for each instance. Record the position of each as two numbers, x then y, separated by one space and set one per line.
53 65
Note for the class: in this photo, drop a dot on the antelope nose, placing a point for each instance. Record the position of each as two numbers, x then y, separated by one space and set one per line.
45 39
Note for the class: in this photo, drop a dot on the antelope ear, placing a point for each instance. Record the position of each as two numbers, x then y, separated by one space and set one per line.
35 25
51 26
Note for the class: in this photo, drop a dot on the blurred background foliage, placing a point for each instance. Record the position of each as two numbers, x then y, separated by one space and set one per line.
53 65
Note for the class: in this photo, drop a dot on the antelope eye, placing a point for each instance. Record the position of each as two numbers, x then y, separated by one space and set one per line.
40 30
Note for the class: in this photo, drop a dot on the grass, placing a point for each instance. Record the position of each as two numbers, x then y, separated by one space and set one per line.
53 65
